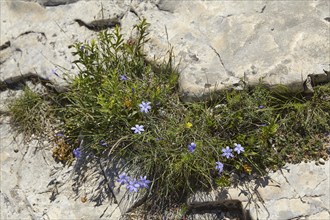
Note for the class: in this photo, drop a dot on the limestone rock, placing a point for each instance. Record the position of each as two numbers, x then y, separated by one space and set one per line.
34 186
296 190
42 46
221 44
217 45
55 2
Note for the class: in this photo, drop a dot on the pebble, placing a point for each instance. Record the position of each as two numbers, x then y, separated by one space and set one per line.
322 161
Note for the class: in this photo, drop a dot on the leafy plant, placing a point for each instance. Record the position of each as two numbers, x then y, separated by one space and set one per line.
128 107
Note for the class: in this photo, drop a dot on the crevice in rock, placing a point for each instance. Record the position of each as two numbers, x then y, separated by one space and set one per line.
232 207
53 3
32 32
222 63
314 80
320 183
18 82
132 10
263 9
5 45
98 25
298 217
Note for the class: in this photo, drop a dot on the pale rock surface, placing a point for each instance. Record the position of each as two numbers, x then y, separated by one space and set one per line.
221 44
217 45
296 191
28 176
40 44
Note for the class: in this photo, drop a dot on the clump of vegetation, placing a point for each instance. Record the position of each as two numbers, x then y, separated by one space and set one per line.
126 107
30 113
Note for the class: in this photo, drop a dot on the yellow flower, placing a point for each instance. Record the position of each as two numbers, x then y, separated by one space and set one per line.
128 103
188 125
247 168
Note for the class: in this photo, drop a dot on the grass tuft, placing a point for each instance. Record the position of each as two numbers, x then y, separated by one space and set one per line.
30 113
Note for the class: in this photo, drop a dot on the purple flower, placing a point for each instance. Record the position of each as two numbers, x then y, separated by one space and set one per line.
133 186
123 179
261 107
103 143
227 152
219 166
192 147
145 106
123 78
144 182
137 129
77 153
82 48
54 72
133 90
60 135
159 139
238 148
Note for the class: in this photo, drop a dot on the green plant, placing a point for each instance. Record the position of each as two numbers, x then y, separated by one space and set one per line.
30 113
127 107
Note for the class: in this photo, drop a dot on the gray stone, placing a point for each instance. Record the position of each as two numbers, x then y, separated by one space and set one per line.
126 200
27 187
295 191
43 45
221 44
217 45
321 161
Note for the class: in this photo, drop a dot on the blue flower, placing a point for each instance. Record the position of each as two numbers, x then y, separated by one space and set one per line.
145 106
133 186
144 182
54 72
219 166
227 152
191 147
60 135
103 143
261 107
77 153
133 90
123 78
123 179
238 148
137 129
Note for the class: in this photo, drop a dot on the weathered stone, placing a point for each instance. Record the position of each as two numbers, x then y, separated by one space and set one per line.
34 186
318 216
43 45
55 2
287 209
126 200
221 44
296 190
240 193
218 44
321 161
274 189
